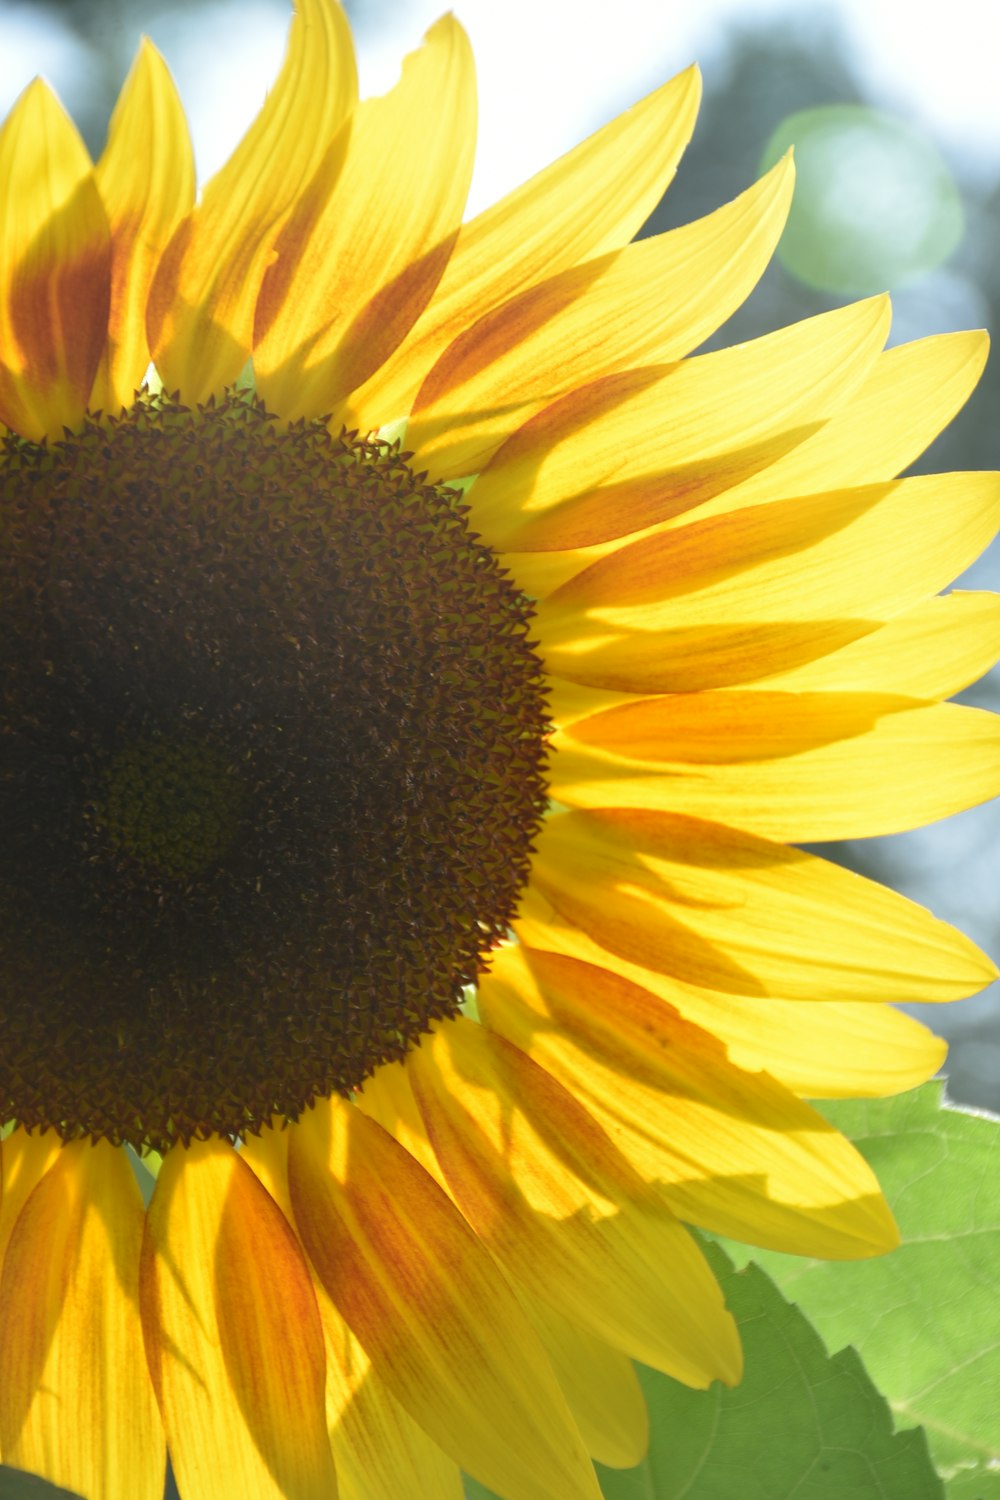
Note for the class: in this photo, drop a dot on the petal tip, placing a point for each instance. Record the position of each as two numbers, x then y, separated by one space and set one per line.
693 76
885 1231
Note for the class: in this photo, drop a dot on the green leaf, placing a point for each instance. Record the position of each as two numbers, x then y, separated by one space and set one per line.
801 1424
18 1484
926 1318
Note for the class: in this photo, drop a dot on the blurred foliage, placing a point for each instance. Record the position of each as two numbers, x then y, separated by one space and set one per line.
15 1484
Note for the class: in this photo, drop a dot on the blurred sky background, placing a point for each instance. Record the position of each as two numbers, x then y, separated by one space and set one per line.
899 189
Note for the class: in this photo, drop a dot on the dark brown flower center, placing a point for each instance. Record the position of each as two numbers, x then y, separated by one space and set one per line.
271 759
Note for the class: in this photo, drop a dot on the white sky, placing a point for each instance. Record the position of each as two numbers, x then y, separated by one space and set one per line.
549 70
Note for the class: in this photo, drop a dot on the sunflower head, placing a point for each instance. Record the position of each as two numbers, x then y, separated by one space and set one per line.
272 761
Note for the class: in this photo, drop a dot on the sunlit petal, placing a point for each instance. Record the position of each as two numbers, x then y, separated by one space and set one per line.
146 179
55 268
76 1402
233 1333
201 306
424 1299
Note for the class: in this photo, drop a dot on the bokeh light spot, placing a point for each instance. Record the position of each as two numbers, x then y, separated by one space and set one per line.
875 205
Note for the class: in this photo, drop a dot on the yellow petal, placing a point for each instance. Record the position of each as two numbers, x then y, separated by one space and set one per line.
840 1049
55 267
908 396
730 1150
790 559
931 651
743 596
670 437
601 1387
25 1157
563 1211
845 1050
650 303
597 1381
692 658
928 653
727 728
387 1098
233 1334
76 1403
201 306
911 393
146 179
571 701
592 200
348 285
727 762
379 1451
723 910
425 1300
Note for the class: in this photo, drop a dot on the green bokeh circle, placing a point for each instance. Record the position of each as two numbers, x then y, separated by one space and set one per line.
874 205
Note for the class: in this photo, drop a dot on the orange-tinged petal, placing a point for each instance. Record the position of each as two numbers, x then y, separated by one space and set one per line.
146 179
598 1382
592 200
26 1156
566 1214
426 1301
726 728
729 1150
348 285
743 596
76 1403
787 560
693 658
55 267
910 394
650 303
380 1451
900 770
721 909
201 308
571 701
840 1049
601 1387
931 651
624 452
387 1098
233 1334
928 653
905 399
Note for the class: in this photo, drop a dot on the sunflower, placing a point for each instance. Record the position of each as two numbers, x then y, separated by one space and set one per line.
418 674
